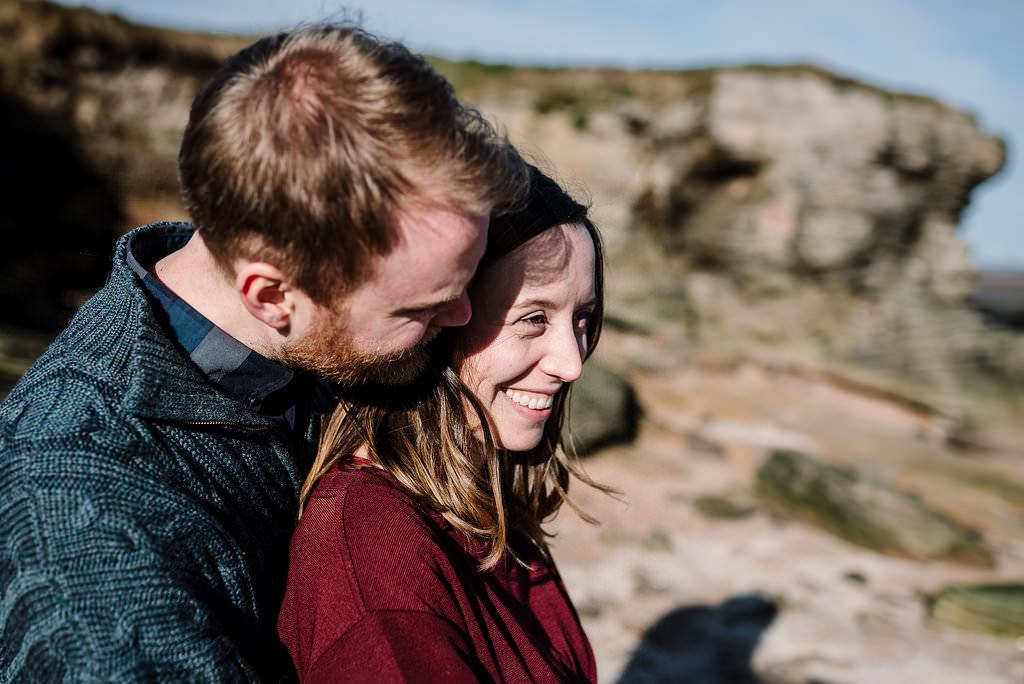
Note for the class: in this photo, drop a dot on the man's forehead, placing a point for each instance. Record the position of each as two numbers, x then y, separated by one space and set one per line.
424 218
429 194
432 263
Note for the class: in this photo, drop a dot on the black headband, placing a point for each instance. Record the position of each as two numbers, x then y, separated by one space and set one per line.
547 206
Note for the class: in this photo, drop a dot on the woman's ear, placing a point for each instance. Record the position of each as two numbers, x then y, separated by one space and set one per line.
267 294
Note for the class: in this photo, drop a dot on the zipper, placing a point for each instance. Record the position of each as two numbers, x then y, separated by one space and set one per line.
221 423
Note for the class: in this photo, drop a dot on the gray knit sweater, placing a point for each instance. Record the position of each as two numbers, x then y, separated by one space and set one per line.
144 514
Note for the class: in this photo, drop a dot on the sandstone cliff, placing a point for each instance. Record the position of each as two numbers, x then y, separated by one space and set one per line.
782 212
786 214
91 114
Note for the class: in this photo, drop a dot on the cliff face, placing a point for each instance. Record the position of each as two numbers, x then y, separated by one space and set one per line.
786 213
120 92
91 113
778 212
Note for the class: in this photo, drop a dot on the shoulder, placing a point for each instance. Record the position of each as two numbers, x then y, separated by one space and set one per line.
84 371
365 553
395 553
356 493
58 398
64 422
368 518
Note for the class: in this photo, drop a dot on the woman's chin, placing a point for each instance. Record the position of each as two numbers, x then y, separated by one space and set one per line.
518 442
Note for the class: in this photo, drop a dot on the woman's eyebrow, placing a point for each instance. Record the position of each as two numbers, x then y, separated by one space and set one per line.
536 301
548 304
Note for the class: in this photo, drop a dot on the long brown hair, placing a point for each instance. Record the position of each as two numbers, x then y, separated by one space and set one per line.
432 436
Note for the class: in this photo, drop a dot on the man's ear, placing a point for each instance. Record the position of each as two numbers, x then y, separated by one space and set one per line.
267 294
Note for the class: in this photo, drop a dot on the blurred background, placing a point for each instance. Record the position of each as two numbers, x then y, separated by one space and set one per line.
809 391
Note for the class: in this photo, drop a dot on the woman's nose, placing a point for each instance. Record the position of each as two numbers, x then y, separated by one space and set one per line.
563 357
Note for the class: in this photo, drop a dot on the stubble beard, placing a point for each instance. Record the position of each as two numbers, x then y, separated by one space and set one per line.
330 353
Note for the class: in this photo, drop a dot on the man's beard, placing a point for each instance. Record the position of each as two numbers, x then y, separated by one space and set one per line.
329 352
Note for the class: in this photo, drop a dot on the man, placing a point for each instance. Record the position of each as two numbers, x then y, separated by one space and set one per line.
151 458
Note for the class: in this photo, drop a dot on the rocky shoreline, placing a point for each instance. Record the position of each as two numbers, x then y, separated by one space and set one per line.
670 593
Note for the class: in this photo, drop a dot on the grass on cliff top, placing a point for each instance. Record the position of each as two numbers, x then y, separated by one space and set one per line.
473 78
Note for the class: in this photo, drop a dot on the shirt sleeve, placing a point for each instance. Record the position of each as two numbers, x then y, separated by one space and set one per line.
400 646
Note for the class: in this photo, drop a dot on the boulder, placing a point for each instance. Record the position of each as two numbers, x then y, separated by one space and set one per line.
865 511
603 410
709 644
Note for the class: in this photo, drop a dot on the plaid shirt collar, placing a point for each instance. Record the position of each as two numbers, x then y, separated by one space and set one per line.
254 380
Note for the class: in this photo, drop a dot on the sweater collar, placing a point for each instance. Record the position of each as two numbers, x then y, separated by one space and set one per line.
163 384
263 385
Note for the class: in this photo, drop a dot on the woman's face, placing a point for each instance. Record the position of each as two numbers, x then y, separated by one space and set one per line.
528 333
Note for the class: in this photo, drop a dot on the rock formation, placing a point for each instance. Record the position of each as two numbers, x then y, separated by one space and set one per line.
119 91
92 109
781 212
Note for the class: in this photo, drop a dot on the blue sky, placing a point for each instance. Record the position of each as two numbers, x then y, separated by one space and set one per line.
964 53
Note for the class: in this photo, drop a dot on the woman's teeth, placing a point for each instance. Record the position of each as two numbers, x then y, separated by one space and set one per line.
533 402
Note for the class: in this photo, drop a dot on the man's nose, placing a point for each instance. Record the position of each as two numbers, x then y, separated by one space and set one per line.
454 313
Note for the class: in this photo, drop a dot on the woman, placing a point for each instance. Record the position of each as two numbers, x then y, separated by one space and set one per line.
420 554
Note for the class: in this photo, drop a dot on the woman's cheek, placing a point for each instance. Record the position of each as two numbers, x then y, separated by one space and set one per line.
463 366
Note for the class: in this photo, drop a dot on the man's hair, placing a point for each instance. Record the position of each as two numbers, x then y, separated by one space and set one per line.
303 147
424 436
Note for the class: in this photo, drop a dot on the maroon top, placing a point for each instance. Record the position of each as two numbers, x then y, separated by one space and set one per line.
381 589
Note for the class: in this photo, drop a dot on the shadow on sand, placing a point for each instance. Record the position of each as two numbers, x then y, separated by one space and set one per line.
702 644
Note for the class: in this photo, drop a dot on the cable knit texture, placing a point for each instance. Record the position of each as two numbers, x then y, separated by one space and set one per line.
144 514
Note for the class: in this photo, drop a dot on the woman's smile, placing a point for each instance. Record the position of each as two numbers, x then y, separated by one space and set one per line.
531 400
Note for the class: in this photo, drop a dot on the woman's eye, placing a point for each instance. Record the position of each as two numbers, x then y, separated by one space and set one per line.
535 319
532 322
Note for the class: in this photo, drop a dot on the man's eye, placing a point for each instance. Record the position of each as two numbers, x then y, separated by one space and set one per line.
419 313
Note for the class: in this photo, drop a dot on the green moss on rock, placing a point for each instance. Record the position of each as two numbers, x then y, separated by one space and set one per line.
996 609
866 512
